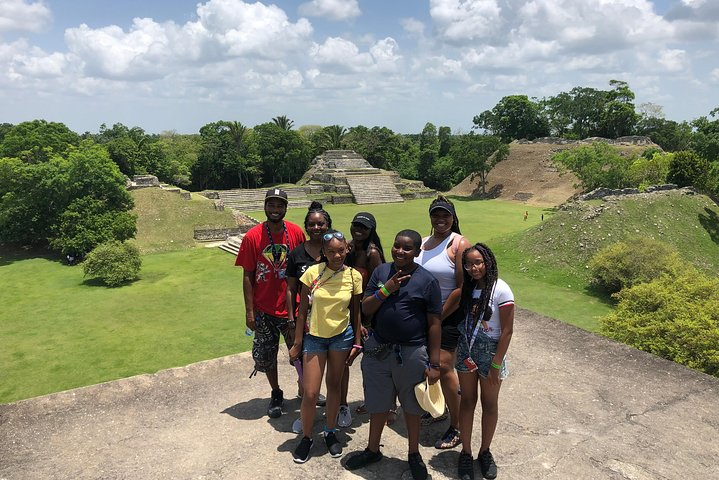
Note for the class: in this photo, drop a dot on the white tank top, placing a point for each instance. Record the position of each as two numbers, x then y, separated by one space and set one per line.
439 265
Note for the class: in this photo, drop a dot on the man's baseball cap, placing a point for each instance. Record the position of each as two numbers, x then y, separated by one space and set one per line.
276 193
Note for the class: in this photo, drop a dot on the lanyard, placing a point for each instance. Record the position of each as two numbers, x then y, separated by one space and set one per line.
316 282
478 323
276 254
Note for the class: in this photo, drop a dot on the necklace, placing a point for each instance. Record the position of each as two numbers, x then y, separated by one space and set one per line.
277 251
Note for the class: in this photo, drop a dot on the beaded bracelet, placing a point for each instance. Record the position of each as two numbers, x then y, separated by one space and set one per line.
494 365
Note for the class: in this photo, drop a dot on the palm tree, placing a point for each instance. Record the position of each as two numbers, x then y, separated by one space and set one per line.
237 133
283 122
333 136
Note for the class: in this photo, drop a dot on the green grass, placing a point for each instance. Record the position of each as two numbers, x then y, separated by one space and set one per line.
58 331
158 230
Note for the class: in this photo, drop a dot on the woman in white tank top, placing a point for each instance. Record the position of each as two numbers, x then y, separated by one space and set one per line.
441 252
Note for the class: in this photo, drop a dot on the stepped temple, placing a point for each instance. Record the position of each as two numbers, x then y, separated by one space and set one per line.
334 177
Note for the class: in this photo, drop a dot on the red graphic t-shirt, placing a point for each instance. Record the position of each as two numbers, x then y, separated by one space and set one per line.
268 259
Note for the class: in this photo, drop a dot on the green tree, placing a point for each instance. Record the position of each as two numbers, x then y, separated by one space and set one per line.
333 136
283 122
428 152
596 165
514 117
114 263
650 170
380 146
633 261
285 154
476 155
687 169
675 317
37 141
87 222
444 135
705 141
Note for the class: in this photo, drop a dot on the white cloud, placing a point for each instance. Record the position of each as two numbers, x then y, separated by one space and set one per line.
673 60
331 9
604 26
714 75
412 26
339 52
343 55
225 29
446 68
23 16
458 21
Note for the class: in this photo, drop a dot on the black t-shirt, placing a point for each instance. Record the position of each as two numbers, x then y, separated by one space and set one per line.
402 318
298 261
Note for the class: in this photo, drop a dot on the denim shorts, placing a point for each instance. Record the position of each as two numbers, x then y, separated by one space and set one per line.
483 351
341 341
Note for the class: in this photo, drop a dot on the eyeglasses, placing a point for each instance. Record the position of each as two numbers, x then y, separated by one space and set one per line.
328 236
469 266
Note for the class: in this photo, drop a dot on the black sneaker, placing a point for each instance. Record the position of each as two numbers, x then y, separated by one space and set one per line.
333 445
417 466
321 400
362 459
275 408
487 465
302 452
465 467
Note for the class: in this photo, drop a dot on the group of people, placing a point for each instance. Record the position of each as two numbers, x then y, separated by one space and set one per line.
437 311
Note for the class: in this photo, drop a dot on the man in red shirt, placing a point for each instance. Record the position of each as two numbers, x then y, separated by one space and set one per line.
263 257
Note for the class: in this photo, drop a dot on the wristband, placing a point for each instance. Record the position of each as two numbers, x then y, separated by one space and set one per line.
385 291
376 295
494 365
357 346
434 365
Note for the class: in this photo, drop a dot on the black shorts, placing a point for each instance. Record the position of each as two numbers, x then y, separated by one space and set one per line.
450 334
265 346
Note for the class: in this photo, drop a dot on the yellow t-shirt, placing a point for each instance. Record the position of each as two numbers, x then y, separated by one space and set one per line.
330 313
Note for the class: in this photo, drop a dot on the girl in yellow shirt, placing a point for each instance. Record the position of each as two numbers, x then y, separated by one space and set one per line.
331 294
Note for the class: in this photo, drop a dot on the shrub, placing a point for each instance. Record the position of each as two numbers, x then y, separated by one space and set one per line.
633 261
676 318
113 262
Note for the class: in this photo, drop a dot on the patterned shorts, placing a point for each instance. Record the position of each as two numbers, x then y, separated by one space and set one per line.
265 346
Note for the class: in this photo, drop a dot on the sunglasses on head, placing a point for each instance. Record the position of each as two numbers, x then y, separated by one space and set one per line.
328 236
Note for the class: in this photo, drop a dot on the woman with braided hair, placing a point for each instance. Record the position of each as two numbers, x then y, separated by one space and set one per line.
487 306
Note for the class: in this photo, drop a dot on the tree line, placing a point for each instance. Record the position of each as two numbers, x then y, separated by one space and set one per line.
67 190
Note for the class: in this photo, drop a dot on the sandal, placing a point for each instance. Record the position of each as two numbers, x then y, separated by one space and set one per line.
361 410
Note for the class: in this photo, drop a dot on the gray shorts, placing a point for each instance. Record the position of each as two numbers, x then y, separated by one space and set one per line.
392 372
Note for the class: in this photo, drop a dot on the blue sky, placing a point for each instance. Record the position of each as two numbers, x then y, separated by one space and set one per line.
179 64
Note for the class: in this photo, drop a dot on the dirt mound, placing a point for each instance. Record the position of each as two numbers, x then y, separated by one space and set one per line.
527 175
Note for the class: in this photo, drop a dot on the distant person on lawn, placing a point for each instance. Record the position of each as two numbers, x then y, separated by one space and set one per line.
263 257
406 302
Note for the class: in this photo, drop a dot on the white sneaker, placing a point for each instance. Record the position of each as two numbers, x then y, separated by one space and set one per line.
344 417
297 425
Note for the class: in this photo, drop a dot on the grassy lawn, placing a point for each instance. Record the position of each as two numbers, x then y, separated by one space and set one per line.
158 231
60 331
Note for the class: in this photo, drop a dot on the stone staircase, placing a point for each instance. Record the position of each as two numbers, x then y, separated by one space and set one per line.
254 199
373 189
232 245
